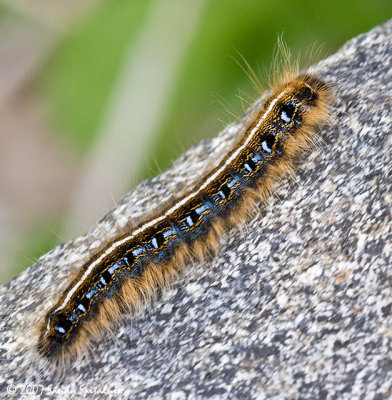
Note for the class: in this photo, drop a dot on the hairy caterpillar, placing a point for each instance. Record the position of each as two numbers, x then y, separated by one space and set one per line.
131 268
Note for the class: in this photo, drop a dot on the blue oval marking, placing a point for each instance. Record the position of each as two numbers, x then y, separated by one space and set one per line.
234 181
72 317
285 117
265 147
139 250
201 209
154 243
247 166
256 158
81 308
91 293
168 233
189 221
222 195
60 329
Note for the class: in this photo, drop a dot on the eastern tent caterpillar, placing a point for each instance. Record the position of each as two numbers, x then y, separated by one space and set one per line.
131 268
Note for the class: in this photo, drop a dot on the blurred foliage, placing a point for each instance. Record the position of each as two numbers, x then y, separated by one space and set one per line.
83 69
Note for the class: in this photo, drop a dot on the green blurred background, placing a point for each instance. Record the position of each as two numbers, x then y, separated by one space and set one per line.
96 98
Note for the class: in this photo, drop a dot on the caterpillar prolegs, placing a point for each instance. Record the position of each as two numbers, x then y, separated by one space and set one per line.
131 268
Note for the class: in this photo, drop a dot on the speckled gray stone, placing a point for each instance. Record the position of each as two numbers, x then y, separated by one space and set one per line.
297 304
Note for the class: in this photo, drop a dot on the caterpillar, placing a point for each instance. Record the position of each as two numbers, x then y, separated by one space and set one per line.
130 269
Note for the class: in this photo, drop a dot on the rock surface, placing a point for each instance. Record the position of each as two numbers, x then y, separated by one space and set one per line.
297 304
